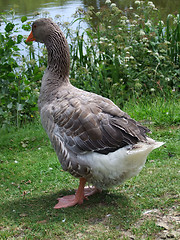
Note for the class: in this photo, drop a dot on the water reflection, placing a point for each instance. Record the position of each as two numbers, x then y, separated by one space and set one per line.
29 7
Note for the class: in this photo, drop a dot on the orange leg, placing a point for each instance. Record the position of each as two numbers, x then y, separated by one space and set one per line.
88 191
71 200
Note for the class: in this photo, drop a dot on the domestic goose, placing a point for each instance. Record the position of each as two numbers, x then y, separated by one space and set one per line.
94 139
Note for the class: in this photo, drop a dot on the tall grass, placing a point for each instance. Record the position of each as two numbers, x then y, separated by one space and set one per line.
156 111
126 54
173 37
121 55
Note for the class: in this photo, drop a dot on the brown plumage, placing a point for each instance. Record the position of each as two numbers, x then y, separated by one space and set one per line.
87 131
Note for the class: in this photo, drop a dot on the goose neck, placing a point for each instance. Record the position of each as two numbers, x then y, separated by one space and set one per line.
58 55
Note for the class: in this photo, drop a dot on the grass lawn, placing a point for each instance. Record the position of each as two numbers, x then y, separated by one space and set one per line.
145 207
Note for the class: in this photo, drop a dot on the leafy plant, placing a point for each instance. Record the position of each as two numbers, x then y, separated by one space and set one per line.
124 54
19 78
173 37
120 55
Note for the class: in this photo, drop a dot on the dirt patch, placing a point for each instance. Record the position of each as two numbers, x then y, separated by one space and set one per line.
168 221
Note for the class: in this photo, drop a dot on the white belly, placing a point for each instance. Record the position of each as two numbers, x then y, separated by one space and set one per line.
116 167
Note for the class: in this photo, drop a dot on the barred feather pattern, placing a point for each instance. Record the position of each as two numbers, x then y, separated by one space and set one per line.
79 122
58 54
92 137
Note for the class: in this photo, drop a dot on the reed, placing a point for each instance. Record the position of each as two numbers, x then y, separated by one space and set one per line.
173 37
124 54
121 55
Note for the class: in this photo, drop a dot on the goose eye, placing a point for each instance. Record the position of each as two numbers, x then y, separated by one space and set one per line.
34 26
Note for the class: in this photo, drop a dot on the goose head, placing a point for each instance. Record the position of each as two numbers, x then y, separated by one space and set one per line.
44 30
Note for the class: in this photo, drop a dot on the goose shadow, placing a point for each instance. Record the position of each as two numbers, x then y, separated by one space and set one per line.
40 208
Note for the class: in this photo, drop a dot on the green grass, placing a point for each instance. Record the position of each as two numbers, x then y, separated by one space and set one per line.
32 180
155 110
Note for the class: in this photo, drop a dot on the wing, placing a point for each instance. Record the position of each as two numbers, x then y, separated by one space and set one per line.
88 122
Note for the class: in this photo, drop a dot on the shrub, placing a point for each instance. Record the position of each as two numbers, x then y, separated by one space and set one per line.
19 78
120 55
126 53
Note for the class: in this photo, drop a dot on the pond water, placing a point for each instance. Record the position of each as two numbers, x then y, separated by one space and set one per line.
68 7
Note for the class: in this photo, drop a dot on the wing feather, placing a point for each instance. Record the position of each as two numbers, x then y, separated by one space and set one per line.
88 122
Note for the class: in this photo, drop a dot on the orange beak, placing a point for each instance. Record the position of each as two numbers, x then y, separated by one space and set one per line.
30 38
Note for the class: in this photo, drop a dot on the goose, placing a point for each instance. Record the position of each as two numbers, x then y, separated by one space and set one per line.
93 138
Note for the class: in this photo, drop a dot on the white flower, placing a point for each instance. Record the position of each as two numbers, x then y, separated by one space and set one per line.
141 32
151 4
170 16
126 48
136 16
137 2
16 161
152 89
162 50
145 39
145 49
109 27
126 59
123 22
134 22
108 2
161 22
175 21
131 8
148 23
113 5
156 54
161 57
124 17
